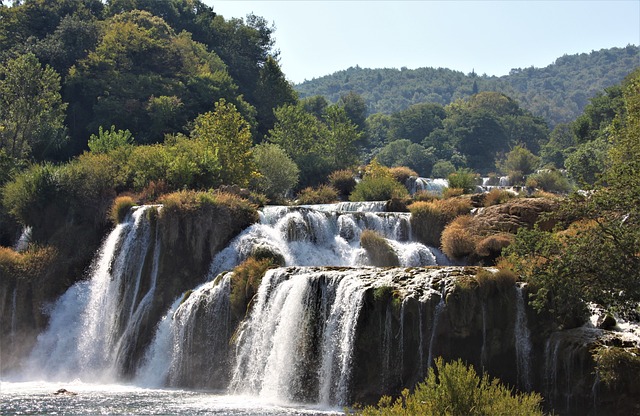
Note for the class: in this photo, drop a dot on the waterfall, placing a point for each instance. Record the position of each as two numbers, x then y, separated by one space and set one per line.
415 184
434 326
522 342
297 344
190 347
14 316
310 237
483 351
93 325
23 240
386 346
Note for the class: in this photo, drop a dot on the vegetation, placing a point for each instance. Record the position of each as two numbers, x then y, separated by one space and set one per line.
378 184
343 181
428 219
378 249
456 389
323 194
594 259
120 208
245 281
277 174
558 92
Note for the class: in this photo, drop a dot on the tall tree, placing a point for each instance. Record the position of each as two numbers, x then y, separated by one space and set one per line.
31 108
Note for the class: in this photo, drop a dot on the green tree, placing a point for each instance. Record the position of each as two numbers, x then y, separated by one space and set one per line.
228 135
416 122
587 163
31 108
109 140
562 142
406 153
277 173
342 137
272 91
520 160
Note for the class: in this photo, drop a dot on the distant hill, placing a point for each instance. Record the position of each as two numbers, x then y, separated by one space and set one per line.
558 92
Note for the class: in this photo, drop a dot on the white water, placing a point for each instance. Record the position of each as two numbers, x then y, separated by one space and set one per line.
276 344
92 324
191 339
436 186
38 398
522 343
309 237
434 326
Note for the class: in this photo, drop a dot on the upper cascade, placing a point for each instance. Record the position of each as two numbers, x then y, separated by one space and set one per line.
305 236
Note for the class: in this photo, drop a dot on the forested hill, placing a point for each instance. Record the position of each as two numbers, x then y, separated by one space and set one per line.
558 92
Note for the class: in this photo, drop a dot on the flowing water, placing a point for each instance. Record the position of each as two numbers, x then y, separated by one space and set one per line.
522 342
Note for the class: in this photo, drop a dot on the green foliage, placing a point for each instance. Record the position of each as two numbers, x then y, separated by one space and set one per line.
519 159
378 249
378 185
322 194
31 109
405 153
442 169
587 163
558 92
277 173
416 122
227 135
549 180
616 367
464 179
109 140
456 389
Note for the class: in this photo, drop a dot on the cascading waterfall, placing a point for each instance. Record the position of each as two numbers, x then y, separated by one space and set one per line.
522 342
434 325
93 324
483 351
297 344
310 237
190 347
386 345
416 184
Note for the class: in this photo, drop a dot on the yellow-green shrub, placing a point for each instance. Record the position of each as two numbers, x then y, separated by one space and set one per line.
120 208
323 194
457 238
428 219
456 389
378 248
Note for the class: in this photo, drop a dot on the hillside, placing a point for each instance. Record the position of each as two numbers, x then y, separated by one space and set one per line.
558 92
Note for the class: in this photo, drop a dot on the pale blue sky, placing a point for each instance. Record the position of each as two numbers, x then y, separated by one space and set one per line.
319 37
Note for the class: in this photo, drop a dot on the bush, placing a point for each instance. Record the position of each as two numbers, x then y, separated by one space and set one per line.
464 179
425 196
456 389
343 181
549 181
323 194
428 219
184 202
245 282
616 367
402 173
442 169
120 208
496 197
491 247
380 252
457 239
278 173
378 189
452 192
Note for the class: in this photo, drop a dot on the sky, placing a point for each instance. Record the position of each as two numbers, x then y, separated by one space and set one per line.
319 37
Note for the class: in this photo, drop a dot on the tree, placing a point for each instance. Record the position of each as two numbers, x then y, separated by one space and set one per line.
520 160
228 135
278 174
342 138
31 108
416 122
587 162
406 153
272 91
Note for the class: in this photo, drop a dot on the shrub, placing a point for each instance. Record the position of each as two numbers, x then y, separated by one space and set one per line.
278 173
457 239
616 367
491 247
425 196
323 194
464 179
109 140
496 197
452 192
378 189
428 219
245 282
343 181
183 202
456 389
442 169
402 173
120 208
380 252
549 181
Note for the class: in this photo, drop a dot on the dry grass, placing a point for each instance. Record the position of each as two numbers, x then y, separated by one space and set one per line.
496 197
245 282
428 219
29 264
425 196
492 245
343 181
458 240
402 173
323 194
452 192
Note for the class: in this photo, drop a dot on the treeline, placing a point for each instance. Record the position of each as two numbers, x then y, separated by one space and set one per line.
558 93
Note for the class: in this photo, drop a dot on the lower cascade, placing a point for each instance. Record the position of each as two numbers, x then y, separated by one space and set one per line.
326 327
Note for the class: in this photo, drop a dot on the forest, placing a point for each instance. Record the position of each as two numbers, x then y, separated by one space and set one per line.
133 100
